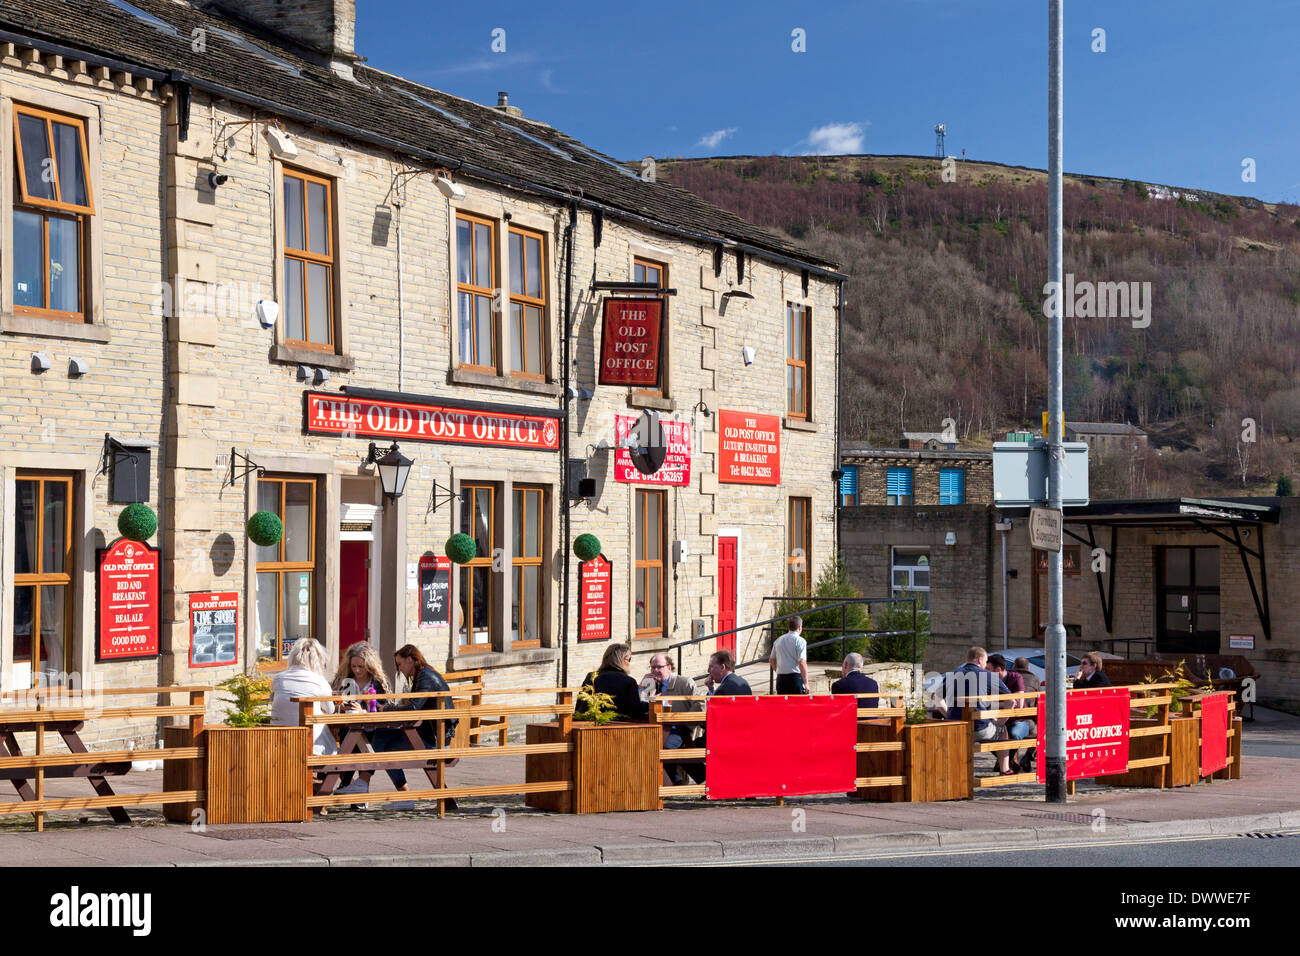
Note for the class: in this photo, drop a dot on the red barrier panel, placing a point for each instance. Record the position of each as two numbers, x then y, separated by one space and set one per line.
1096 733
1214 733
780 746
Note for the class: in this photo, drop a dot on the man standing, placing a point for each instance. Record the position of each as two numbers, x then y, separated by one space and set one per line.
790 659
856 682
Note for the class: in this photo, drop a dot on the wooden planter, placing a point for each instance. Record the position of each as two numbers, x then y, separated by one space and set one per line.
1183 769
938 760
182 774
880 764
257 774
613 767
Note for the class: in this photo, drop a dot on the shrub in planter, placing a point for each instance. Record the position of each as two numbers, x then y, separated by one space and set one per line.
137 522
264 528
248 695
460 548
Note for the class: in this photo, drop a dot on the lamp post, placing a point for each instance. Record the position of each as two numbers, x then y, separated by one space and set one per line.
394 468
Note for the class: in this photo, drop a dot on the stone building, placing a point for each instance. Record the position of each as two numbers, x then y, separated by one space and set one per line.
1105 437
915 475
256 256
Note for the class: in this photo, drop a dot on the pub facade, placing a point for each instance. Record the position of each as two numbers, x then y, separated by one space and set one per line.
264 278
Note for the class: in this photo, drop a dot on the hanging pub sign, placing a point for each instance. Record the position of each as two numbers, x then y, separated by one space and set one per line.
631 342
749 448
214 628
128 601
361 415
595 587
435 591
676 467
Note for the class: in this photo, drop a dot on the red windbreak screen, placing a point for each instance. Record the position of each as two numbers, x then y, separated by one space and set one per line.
1214 733
780 747
1096 733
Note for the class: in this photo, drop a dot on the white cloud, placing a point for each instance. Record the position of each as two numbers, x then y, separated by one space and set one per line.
836 139
711 140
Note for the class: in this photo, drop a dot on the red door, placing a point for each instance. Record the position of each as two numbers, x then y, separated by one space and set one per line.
726 593
354 593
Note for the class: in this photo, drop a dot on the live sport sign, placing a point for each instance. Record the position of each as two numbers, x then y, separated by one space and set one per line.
595 589
501 426
630 340
1096 733
676 469
749 448
128 601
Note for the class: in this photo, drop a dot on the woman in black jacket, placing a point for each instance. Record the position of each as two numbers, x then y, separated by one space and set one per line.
422 677
613 679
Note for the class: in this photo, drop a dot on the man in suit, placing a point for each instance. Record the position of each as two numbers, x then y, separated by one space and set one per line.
723 679
662 682
856 682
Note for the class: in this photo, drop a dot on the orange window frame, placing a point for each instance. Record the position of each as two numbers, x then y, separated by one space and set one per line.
647 265
798 405
282 567
799 556
644 563
473 289
55 208
537 494
469 500
41 578
524 301
306 257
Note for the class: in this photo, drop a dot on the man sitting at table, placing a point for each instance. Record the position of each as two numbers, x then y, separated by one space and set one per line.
965 686
662 682
856 682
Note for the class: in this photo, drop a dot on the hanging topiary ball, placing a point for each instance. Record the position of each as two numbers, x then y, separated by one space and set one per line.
461 548
137 522
586 546
264 528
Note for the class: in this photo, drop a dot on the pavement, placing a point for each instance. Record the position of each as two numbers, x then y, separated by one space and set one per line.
503 832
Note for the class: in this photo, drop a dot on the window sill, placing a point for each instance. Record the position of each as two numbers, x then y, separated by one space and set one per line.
292 355
799 425
651 401
460 376
469 660
12 324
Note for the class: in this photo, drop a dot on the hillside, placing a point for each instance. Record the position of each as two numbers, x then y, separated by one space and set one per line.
944 308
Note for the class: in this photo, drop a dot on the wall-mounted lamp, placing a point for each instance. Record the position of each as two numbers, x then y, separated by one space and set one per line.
40 362
702 408
393 467
602 445
282 145
77 367
321 376
748 353
950 539
304 372
216 179
585 394
448 188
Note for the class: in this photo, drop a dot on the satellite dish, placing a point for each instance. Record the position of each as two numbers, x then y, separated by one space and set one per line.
648 448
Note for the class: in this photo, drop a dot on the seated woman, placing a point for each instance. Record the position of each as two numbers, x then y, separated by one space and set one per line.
304 677
420 676
613 678
360 672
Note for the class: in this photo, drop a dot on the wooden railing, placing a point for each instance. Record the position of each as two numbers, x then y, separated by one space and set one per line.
57 711
477 728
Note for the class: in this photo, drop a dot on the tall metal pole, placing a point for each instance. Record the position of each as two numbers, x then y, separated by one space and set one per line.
1004 590
1055 731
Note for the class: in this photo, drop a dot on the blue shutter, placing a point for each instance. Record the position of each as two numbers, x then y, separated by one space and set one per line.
952 486
899 481
849 480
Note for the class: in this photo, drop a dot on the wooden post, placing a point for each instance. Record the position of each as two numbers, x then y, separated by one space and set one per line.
40 775
565 720
657 708
304 711
442 764
197 698
1167 769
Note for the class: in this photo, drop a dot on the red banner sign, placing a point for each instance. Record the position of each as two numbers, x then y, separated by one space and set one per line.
332 414
676 469
749 448
776 746
214 629
595 587
1096 733
630 340
128 601
1214 733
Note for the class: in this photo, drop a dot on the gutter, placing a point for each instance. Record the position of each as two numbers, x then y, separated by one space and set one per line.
565 378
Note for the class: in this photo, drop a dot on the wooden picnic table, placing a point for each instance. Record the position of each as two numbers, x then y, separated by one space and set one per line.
68 726
355 741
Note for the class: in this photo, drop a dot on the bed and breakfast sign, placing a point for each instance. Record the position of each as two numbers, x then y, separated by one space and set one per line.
128 601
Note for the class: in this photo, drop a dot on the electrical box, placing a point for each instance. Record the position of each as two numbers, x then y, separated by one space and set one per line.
680 552
1020 474
577 474
698 625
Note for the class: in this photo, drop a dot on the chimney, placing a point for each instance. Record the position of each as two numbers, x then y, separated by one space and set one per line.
325 27
503 104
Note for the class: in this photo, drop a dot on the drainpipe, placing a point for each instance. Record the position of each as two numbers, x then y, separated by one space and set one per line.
839 398
401 318
565 376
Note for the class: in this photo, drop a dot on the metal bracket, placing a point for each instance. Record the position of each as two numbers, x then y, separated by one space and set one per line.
119 453
439 496
249 467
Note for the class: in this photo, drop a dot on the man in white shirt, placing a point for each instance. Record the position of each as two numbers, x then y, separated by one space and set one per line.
790 660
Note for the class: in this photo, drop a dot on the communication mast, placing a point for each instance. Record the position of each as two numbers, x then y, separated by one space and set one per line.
939 132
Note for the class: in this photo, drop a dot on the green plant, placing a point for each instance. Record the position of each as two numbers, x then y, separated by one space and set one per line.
460 548
898 647
1284 489
264 528
137 522
915 711
1181 678
833 585
586 546
249 694
593 707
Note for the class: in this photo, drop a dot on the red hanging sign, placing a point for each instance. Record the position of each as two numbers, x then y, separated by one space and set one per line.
1214 733
676 469
328 413
1096 733
595 587
630 342
777 746
749 448
128 601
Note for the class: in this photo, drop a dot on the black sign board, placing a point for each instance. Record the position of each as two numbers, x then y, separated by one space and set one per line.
214 628
435 591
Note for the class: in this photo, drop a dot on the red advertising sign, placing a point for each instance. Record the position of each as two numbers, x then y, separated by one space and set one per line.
595 587
1214 733
777 746
128 601
749 448
499 426
630 340
676 469
1096 733
214 629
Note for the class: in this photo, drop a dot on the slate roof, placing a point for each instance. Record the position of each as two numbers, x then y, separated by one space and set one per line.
257 66
1104 428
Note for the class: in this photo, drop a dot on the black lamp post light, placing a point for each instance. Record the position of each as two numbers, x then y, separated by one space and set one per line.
394 468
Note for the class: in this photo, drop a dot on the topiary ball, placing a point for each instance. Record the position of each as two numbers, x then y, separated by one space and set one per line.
586 546
137 522
461 548
264 528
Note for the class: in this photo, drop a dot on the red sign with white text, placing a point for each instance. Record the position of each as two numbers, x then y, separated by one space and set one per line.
128 601
1096 733
630 339
595 587
749 448
328 413
1214 733
778 746
676 469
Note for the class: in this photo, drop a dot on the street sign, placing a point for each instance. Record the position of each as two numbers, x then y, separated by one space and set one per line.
1045 529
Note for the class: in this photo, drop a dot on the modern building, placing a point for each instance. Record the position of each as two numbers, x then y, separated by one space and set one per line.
235 257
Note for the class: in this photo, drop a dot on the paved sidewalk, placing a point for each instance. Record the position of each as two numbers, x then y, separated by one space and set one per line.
502 831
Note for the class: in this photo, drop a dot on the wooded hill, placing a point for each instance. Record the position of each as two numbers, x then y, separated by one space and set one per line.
944 308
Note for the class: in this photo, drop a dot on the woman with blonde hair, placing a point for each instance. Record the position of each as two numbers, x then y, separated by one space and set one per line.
361 672
304 677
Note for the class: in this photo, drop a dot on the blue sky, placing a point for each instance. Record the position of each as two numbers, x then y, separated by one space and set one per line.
1184 92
